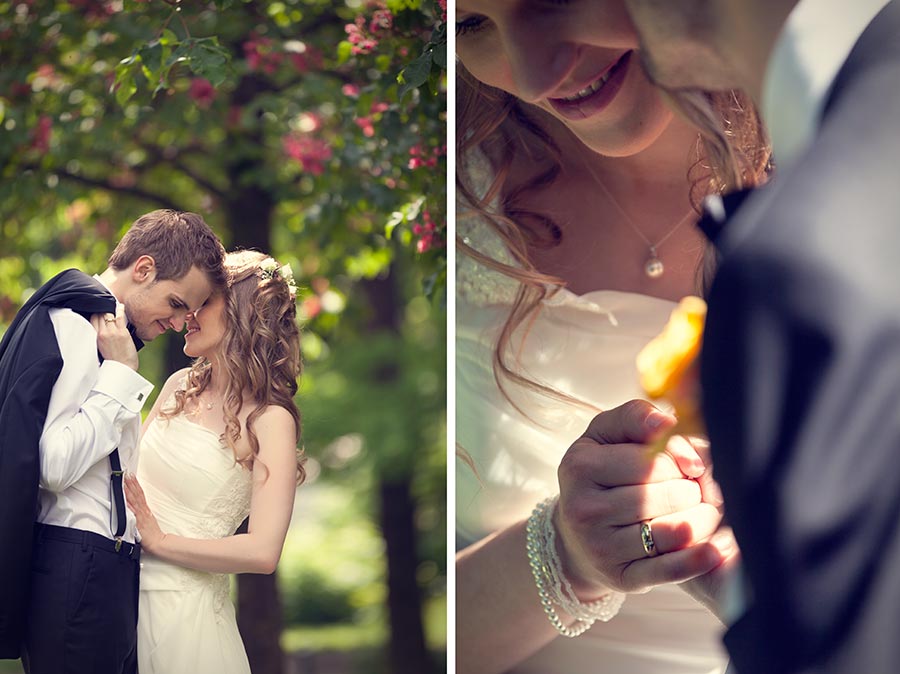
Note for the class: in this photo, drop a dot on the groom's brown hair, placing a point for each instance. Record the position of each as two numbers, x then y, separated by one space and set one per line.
177 241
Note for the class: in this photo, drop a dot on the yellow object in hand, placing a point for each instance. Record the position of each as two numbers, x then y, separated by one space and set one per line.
668 368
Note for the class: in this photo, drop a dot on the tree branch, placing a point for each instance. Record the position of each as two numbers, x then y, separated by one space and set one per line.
138 192
200 180
158 158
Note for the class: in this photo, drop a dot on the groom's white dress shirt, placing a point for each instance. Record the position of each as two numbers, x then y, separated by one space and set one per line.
93 410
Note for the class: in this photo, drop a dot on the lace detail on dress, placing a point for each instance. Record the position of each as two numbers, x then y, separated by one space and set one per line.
218 584
226 512
475 282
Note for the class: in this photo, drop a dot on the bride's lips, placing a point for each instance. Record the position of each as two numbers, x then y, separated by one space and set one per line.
598 93
191 331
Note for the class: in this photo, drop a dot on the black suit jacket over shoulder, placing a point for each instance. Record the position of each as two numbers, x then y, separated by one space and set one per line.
30 363
801 379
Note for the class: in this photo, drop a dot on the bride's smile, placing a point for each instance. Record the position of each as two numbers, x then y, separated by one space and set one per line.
205 328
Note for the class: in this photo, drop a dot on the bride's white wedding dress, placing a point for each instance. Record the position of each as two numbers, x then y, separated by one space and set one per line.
186 621
585 346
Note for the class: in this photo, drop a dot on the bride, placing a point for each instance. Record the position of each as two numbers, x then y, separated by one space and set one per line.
578 189
219 444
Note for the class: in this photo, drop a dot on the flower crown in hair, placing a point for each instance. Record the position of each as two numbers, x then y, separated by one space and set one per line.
269 269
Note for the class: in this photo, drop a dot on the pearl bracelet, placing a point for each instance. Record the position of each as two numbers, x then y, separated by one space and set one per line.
552 585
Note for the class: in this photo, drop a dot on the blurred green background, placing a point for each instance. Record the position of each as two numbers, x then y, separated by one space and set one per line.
315 130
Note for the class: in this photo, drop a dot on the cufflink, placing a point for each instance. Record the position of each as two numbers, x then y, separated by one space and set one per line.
140 396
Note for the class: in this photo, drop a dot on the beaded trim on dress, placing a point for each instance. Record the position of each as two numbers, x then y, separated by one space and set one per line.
481 285
475 282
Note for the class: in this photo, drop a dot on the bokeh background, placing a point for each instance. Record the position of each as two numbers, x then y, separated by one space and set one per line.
315 130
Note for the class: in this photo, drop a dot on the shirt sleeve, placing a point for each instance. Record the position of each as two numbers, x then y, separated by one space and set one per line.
89 406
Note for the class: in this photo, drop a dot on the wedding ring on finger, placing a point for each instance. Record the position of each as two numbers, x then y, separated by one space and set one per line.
647 539
109 318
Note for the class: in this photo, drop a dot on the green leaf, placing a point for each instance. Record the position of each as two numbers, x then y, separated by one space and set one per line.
124 86
439 34
168 38
344 51
434 82
151 56
127 89
207 59
440 55
415 74
399 5
180 53
395 219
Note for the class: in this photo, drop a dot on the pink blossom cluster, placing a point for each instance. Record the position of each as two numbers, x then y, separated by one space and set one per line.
356 36
312 305
94 9
427 232
40 135
19 90
263 53
443 5
382 19
311 153
419 156
364 38
366 123
303 62
203 92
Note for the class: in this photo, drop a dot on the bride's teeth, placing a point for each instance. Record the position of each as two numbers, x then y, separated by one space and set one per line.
588 90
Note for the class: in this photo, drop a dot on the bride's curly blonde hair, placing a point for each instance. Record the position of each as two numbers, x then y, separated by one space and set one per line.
260 359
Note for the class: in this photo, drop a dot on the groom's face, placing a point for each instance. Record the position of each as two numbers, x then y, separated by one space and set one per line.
156 306
684 42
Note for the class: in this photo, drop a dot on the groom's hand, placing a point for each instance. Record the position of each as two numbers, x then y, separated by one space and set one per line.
610 485
114 342
148 526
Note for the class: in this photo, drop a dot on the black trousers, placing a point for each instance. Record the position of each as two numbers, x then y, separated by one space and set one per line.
83 611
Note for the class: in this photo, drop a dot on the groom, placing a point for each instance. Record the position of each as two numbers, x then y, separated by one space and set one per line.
801 358
70 404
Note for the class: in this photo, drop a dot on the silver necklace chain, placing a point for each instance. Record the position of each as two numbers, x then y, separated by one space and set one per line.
653 266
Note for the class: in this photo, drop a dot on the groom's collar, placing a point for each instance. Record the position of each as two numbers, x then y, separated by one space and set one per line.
717 211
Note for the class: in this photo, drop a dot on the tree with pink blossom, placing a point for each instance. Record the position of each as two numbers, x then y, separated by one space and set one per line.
264 118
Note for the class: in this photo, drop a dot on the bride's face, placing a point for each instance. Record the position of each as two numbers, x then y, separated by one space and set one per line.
206 328
576 60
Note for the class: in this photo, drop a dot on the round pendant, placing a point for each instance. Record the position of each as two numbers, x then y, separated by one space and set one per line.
654 268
